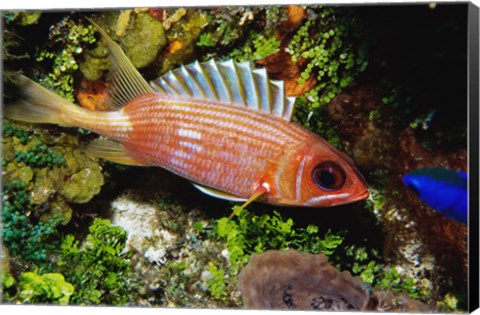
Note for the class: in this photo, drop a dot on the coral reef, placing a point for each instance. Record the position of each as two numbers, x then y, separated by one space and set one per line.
140 36
178 248
51 166
172 250
370 128
43 175
295 280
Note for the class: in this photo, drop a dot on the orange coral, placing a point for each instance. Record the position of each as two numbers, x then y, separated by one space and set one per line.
173 47
296 15
157 13
93 94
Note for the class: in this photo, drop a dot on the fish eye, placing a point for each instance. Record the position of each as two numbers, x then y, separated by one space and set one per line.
328 176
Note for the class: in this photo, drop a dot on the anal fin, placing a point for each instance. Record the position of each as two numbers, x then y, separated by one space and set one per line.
111 150
218 194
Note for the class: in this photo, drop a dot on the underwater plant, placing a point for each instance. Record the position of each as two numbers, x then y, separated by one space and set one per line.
248 233
67 41
23 235
37 288
54 170
101 270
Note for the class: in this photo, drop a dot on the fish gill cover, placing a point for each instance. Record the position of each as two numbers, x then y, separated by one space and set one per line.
387 92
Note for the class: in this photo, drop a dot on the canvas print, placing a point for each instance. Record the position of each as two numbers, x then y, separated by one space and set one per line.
297 157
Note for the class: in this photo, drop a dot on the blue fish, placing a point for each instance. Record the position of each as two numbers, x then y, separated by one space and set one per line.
441 189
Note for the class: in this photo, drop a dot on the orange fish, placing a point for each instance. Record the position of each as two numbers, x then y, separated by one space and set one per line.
222 125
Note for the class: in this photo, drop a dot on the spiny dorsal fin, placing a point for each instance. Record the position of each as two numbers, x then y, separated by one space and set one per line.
126 82
228 82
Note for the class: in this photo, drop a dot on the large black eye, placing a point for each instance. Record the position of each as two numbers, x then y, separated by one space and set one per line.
328 176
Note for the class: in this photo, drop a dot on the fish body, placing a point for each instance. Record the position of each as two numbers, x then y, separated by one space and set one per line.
441 189
201 123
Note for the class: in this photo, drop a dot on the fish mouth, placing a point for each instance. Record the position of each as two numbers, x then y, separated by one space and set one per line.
362 195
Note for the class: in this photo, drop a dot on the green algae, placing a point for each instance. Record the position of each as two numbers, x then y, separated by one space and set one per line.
325 42
36 172
99 271
258 48
143 40
54 169
31 241
74 190
182 38
229 33
67 40
23 18
44 288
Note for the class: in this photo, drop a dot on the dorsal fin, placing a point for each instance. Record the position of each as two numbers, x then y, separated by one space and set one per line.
126 83
228 82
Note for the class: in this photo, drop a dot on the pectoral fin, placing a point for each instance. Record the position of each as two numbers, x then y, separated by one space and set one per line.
262 189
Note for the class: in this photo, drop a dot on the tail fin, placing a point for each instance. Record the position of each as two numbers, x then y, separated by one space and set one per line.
36 104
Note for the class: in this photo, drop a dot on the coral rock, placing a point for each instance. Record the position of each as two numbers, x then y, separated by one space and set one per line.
294 280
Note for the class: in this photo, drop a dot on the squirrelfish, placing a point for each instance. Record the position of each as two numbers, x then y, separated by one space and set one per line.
222 125
441 189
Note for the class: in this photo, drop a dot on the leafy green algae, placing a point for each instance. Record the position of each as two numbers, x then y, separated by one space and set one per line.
67 41
45 288
325 42
100 271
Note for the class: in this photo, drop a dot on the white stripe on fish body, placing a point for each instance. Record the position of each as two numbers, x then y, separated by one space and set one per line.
298 181
195 147
189 133
183 155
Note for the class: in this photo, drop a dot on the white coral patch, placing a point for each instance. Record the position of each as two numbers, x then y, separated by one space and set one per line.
137 218
140 220
155 255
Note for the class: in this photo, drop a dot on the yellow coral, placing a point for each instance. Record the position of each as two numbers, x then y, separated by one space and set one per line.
122 22
174 18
